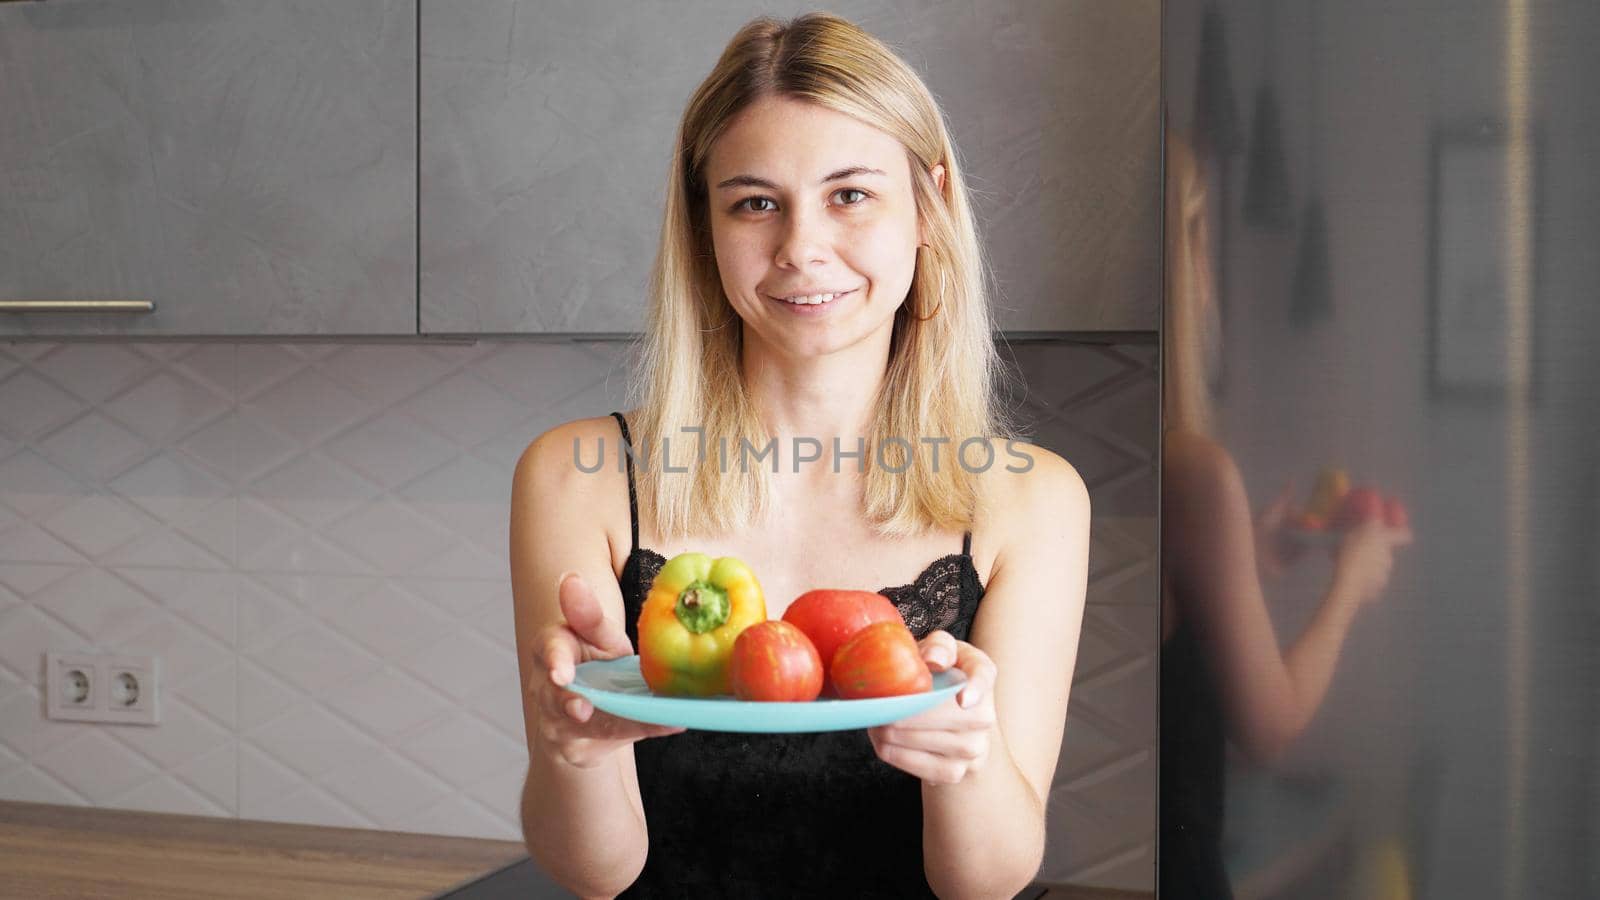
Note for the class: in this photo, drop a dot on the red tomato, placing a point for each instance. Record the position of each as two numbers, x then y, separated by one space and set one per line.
831 617
1308 521
1360 505
774 661
882 660
1394 513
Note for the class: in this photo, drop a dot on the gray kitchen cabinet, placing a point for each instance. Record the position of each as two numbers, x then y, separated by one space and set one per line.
547 127
247 165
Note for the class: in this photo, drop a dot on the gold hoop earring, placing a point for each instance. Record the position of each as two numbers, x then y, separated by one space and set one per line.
938 306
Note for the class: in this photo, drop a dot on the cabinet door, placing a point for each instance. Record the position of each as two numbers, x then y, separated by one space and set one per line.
247 165
545 134
547 130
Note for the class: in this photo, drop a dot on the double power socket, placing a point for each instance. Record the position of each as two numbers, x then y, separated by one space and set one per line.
88 687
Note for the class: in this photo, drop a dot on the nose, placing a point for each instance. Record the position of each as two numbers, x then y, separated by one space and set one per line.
805 239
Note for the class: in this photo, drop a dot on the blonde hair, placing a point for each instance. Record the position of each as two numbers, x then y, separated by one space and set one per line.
943 366
1189 289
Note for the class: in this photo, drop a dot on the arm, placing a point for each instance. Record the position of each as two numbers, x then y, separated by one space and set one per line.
584 826
1208 539
984 836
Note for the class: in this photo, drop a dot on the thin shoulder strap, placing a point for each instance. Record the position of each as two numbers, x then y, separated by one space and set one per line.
633 502
966 544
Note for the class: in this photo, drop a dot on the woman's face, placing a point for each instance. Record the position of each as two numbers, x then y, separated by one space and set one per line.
806 201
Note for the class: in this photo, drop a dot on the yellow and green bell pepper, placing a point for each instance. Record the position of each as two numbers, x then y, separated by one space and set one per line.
694 612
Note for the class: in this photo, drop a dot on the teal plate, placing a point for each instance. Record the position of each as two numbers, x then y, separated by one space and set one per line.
615 686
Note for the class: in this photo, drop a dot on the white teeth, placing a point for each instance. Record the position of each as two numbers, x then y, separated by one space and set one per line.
812 300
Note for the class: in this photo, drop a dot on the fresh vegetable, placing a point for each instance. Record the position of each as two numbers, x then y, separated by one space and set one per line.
1332 485
775 661
1360 504
1395 514
881 660
1307 521
695 611
831 617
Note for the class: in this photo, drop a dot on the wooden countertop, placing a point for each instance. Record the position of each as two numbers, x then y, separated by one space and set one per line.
88 853
51 851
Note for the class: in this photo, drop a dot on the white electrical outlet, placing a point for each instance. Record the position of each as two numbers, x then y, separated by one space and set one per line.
114 688
70 682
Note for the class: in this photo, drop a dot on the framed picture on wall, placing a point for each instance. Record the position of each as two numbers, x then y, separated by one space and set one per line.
1485 198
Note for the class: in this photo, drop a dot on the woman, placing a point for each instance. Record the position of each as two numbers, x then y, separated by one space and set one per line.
1223 679
818 278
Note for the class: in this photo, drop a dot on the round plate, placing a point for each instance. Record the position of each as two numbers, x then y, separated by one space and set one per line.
615 686
1327 538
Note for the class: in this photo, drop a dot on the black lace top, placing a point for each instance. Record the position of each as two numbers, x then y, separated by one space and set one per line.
787 815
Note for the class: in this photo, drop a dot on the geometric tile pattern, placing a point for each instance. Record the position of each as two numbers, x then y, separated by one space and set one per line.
313 538
1097 406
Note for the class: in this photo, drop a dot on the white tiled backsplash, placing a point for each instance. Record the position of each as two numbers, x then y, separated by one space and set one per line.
313 540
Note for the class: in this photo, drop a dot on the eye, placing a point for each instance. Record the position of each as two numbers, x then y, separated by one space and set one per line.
864 195
744 204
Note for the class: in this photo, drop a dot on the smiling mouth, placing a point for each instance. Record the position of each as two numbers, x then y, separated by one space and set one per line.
814 299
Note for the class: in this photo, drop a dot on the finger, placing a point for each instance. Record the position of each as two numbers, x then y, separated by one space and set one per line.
559 655
929 767
553 701
964 746
980 671
571 718
606 726
585 617
946 716
939 650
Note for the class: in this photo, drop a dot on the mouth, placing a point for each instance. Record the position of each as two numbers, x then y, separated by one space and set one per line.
814 300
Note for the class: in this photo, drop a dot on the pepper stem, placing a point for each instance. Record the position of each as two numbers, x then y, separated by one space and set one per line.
702 606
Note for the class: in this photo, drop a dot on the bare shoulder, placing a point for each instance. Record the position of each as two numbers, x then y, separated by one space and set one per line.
1038 477
572 471
564 456
1034 494
1194 465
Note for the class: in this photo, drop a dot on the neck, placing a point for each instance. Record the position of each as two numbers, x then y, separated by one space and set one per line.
824 397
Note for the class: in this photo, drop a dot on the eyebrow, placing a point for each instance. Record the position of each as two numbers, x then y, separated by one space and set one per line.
753 181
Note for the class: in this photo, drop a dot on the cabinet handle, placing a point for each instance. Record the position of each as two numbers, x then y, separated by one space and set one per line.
86 306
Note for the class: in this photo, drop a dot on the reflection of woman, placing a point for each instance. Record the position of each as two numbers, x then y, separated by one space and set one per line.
811 165
1223 678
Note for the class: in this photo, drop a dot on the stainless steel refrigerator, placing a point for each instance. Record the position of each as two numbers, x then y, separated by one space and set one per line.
1379 484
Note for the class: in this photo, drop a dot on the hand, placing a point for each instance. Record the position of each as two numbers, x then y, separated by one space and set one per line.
945 744
1363 558
570 728
1276 546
